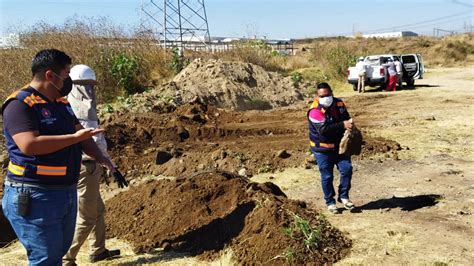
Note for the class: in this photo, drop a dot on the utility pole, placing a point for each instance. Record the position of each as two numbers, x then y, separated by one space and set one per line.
467 27
437 32
177 23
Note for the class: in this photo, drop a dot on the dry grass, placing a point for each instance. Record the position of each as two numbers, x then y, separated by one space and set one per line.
298 62
327 59
447 51
15 254
254 52
94 42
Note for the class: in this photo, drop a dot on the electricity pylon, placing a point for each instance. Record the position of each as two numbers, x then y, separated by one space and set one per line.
181 23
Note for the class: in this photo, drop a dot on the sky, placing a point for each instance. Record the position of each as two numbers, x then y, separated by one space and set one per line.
269 18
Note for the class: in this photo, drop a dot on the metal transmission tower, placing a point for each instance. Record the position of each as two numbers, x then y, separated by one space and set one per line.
181 23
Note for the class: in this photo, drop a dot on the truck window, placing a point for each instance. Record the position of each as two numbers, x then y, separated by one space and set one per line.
384 60
372 61
408 59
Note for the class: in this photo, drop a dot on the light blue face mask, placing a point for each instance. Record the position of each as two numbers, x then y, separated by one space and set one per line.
326 101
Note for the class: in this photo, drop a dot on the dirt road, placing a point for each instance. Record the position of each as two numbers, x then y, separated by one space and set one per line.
415 203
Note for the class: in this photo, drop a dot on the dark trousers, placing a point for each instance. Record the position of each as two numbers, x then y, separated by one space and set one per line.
326 162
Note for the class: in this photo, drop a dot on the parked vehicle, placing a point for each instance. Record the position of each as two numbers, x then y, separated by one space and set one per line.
377 75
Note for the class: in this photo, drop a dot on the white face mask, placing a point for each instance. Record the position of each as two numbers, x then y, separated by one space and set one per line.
326 101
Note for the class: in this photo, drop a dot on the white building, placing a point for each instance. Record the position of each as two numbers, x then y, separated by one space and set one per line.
10 41
397 34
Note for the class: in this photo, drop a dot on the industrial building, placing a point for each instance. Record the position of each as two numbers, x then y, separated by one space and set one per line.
396 34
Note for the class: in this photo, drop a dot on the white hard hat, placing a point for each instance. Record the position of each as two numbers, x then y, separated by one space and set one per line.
361 58
82 74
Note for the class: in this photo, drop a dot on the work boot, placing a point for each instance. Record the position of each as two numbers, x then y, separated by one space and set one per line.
347 204
333 209
104 255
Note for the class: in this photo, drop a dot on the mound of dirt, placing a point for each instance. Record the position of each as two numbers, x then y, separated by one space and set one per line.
377 145
225 84
205 213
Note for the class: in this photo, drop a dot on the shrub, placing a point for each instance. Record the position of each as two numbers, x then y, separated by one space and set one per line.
177 62
297 78
124 68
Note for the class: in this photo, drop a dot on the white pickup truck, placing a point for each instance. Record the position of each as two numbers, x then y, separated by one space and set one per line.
377 75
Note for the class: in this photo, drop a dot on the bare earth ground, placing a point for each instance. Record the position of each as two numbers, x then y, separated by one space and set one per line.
434 121
415 207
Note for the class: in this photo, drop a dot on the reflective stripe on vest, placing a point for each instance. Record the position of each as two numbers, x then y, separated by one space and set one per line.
32 100
321 144
61 167
40 170
327 145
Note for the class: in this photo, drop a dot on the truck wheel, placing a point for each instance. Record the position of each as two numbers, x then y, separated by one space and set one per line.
354 87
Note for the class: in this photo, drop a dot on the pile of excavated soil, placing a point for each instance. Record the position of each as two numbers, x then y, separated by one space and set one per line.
225 84
375 145
205 213
196 137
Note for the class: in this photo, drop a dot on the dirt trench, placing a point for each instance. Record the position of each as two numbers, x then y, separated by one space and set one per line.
196 137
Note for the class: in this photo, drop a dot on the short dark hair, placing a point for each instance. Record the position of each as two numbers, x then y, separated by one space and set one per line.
49 59
323 85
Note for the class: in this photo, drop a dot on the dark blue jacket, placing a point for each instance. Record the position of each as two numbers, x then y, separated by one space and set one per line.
327 128
55 118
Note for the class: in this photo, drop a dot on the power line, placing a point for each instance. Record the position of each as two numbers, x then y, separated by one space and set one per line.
462 3
421 22
441 23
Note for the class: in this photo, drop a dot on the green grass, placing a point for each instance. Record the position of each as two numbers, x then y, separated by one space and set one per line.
311 234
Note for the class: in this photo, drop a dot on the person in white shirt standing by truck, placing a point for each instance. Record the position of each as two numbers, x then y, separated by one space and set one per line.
399 68
361 68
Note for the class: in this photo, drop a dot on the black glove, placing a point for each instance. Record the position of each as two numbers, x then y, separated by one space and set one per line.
120 179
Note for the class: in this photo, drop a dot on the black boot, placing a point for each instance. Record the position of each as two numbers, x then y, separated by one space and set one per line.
104 255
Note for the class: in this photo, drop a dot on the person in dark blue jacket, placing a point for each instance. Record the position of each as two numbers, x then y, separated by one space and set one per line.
327 120
45 141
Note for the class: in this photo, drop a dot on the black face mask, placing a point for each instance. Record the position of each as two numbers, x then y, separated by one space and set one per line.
67 87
